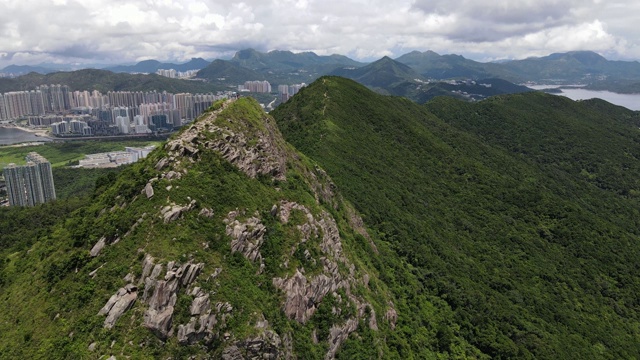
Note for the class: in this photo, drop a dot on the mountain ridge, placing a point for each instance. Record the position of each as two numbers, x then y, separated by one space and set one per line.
224 242
502 207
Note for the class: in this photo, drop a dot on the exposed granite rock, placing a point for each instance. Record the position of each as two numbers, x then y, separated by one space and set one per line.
161 164
246 237
93 273
232 353
337 335
118 304
266 345
207 320
171 175
95 250
263 155
303 295
391 316
159 316
356 222
148 190
208 213
136 224
373 321
172 212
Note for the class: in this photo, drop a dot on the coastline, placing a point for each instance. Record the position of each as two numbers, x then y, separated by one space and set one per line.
40 132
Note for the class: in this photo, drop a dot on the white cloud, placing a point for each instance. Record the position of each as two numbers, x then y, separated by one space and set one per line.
32 31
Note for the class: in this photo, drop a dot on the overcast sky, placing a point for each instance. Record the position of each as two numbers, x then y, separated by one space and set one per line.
126 31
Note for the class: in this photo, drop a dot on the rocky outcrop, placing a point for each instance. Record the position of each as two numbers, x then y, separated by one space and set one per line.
259 155
148 190
338 335
172 212
208 213
303 295
246 237
266 345
391 316
159 315
204 318
95 250
135 225
120 302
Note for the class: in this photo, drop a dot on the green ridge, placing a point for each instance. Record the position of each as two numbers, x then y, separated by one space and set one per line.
520 212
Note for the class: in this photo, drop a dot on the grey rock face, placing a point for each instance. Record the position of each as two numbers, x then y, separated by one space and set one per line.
161 164
208 213
95 250
159 316
171 213
337 335
148 190
261 156
247 236
118 304
391 316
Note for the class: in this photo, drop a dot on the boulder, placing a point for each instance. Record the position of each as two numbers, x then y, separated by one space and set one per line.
148 190
118 303
95 250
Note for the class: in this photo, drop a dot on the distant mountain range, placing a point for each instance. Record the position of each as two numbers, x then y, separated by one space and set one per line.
565 68
416 75
392 77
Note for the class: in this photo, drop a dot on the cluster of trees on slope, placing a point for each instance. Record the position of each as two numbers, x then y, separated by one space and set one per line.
521 212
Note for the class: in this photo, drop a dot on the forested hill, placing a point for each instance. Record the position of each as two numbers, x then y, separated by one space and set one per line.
506 229
520 212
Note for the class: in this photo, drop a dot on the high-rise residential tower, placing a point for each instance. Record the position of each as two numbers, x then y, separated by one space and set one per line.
30 184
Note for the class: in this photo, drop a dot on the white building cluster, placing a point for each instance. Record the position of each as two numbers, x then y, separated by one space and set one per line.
115 158
255 86
172 73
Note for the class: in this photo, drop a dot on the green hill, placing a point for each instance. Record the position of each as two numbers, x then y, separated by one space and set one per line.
506 228
520 212
102 80
384 74
224 243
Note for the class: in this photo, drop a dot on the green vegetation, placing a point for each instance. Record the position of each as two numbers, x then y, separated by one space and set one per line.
104 81
518 215
501 229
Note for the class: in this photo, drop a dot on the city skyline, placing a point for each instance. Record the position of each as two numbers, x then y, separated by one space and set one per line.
102 32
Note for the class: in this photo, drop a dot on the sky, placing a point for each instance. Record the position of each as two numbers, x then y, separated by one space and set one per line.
128 31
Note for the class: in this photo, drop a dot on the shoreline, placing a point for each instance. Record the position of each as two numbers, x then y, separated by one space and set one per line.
40 132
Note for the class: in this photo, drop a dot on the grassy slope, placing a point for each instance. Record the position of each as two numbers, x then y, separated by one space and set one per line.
532 259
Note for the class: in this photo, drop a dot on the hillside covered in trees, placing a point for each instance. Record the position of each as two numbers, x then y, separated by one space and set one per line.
345 224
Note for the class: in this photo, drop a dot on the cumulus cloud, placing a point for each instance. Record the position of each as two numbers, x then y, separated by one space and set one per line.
118 31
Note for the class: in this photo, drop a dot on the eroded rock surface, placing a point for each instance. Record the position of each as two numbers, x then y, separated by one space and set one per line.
262 154
120 302
159 315
246 236
172 212
95 250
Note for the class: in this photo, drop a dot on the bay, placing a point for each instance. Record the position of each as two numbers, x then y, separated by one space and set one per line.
630 101
11 135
